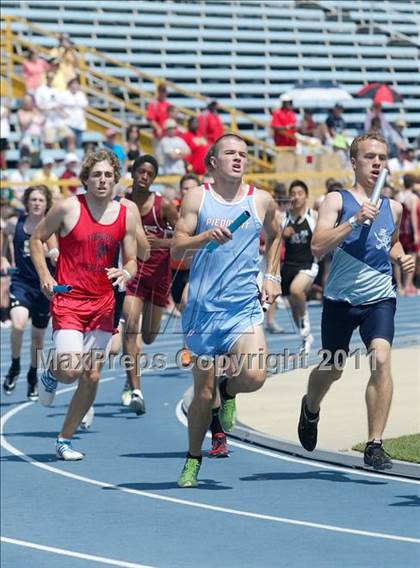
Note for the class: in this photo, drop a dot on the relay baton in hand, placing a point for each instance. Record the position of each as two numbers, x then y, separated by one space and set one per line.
380 182
244 216
62 289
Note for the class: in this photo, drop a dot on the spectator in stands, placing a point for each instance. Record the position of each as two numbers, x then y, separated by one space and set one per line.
74 102
4 134
283 124
198 146
34 69
398 137
49 102
375 114
157 111
71 171
335 122
173 112
210 124
110 143
132 144
172 150
46 176
404 162
309 127
31 122
21 175
65 62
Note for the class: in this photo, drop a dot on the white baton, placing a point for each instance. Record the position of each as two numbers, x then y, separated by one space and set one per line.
377 190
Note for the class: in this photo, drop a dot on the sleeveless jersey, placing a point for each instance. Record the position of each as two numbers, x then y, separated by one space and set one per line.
24 264
225 279
361 271
298 246
87 250
158 263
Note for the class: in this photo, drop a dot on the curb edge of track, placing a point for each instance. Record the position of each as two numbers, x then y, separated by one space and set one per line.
348 459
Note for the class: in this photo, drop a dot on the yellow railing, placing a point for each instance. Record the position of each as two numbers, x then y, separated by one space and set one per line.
262 154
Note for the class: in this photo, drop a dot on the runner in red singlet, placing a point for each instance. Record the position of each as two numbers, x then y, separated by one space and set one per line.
147 294
90 229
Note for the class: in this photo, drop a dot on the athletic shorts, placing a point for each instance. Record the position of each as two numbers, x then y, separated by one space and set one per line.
83 314
180 279
340 319
216 332
150 289
289 272
73 341
30 297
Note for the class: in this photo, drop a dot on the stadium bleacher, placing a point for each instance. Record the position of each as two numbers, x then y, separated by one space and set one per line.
245 54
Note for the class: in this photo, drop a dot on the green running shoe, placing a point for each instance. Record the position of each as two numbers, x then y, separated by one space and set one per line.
227 415
188 477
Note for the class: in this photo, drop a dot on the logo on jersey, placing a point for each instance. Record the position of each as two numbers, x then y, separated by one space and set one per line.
383 240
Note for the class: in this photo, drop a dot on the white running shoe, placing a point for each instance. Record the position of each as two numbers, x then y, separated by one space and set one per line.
87 419
64 451
126 395
47 386
137 404
305 348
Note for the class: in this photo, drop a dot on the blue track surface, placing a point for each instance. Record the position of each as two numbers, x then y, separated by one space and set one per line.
120 506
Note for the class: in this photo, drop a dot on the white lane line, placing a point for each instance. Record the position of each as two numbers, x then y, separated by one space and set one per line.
237 512
313 463
72 553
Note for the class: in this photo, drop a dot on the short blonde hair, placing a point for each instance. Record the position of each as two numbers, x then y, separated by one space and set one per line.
354 148
93 158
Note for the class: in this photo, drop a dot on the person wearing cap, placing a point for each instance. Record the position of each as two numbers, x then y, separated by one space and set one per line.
172 150
46 176
158 111
210 124
21 175
283 124
72 166
110 143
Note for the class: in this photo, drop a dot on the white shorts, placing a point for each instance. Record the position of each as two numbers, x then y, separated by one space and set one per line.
73 341
311 272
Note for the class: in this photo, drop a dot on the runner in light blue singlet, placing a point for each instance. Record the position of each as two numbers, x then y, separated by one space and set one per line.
223 300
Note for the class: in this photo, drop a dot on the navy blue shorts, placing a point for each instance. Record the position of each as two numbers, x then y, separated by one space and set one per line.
340 319
30 297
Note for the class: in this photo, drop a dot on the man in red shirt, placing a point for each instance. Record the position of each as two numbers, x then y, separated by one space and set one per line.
283 123
90 230
198 145
158 112
209 123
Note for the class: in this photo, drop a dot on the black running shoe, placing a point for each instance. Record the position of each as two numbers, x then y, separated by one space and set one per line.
32 393
10 381
307 429
375 456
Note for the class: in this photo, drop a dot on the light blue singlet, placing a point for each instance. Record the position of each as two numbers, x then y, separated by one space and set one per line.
361 271
223 299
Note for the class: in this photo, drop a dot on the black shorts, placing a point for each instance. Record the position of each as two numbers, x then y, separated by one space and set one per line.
340 319
180 279
119 301
30 297
289 272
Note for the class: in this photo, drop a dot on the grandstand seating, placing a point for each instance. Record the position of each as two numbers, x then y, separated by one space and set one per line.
245 54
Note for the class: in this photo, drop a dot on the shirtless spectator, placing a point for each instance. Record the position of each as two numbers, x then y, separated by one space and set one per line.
31 122
210 124
157 111
34 68
173 112
49 102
